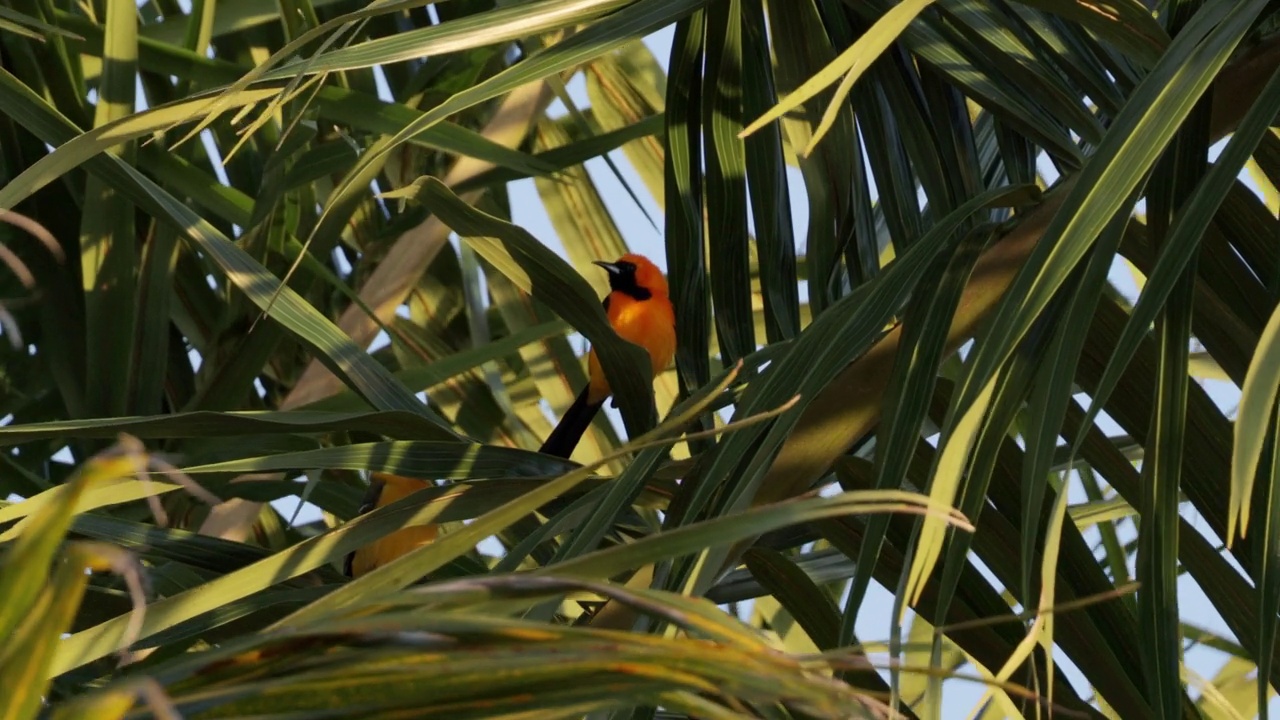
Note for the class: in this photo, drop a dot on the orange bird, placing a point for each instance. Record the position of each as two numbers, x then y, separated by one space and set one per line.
385 489
640 311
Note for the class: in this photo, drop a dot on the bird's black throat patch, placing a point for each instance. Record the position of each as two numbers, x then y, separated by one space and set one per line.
625 282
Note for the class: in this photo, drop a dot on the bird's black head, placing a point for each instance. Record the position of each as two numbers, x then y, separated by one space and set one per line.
623 279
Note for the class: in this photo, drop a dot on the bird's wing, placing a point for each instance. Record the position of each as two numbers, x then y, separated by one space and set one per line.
369 502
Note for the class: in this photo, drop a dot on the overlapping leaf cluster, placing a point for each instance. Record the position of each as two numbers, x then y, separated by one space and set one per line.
213 208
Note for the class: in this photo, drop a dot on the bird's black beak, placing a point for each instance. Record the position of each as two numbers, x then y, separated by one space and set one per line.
611 267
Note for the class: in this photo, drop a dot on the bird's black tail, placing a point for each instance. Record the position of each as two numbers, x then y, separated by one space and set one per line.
564 438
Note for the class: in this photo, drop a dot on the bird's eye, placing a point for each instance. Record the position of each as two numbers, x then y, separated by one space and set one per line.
627 266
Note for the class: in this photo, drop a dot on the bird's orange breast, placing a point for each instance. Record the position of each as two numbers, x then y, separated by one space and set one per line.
369 557
649 323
